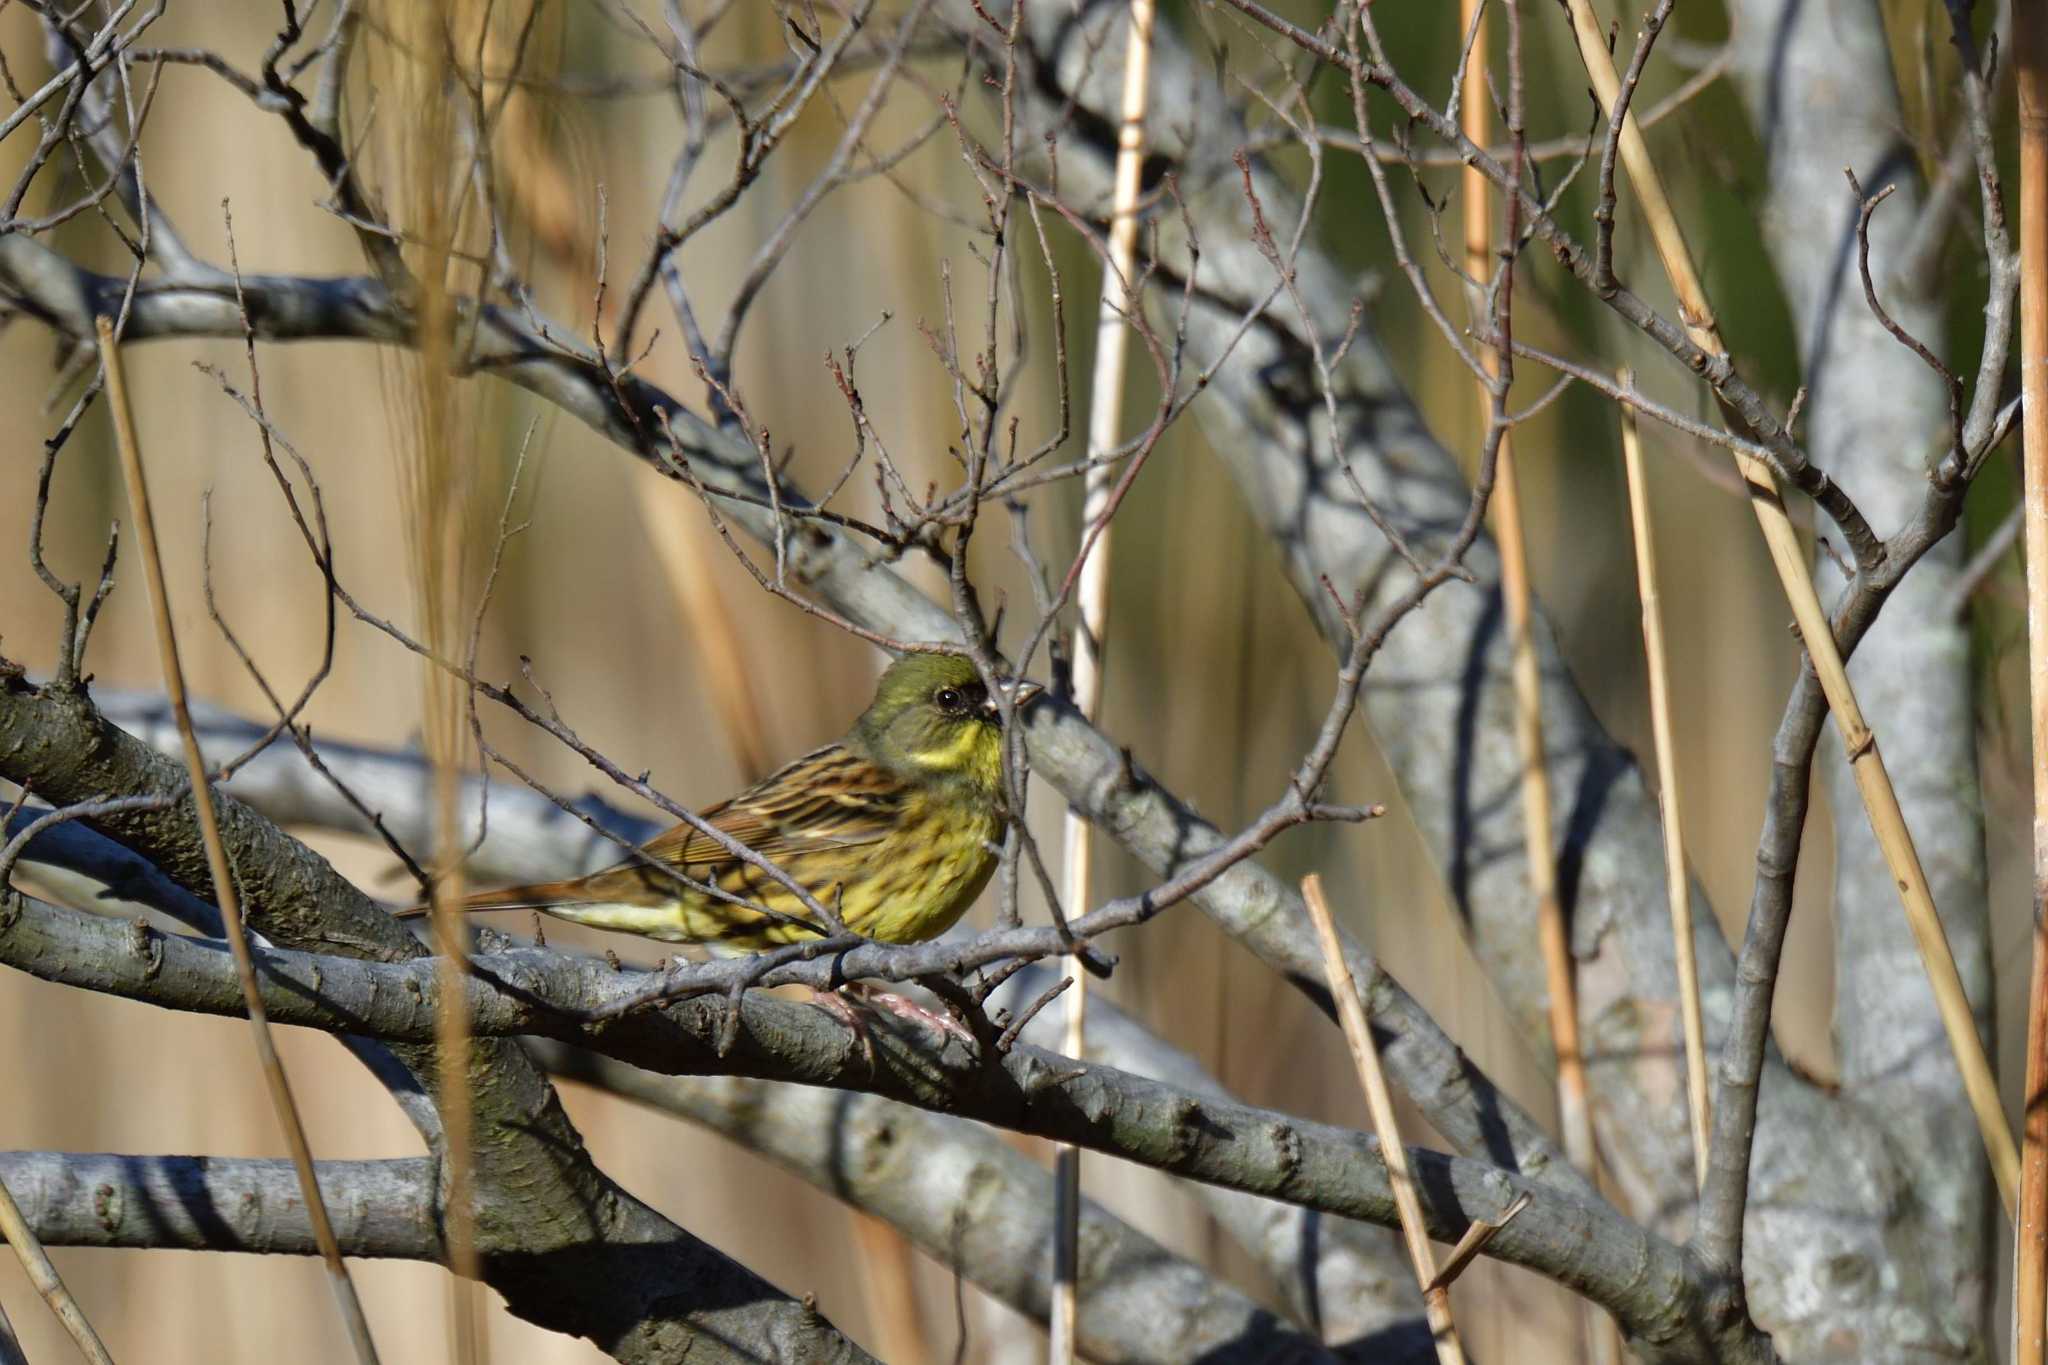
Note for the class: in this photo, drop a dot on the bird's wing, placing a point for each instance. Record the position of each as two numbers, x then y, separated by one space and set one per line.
829 798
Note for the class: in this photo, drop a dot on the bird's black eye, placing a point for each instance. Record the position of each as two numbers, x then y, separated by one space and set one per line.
948 698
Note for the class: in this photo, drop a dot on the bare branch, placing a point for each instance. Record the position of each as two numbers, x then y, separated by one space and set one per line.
1575 1238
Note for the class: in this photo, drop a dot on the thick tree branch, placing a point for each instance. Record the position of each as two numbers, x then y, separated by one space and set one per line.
1742 1068
86 868
971 1201
1349 1279
383 1209
1344 1278
1664 1297
581 1255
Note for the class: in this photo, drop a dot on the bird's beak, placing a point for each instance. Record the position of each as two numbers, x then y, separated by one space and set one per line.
1021 692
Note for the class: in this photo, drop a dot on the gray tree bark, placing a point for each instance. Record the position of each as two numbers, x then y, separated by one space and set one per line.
1673 1306
1351 1282
1817 82
573 1252
1440 705
381 1209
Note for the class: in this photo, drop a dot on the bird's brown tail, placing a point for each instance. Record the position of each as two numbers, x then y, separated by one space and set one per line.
539 896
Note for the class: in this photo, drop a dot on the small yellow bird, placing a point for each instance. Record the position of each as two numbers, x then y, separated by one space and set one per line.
894 828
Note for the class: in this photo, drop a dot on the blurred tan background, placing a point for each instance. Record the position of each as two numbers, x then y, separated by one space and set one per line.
1215 681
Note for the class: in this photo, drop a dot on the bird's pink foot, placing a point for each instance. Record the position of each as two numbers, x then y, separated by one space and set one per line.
845 1003
848 1013
903 1007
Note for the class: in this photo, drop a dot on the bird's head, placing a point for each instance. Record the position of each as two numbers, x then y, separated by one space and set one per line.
933 719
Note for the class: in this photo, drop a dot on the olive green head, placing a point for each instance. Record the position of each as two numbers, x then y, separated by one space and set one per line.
933 719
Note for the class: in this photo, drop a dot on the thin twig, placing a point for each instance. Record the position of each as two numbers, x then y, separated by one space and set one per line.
1983 563
1436 1298
216 853
1677 888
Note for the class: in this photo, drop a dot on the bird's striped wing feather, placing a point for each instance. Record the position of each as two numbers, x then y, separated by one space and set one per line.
829 798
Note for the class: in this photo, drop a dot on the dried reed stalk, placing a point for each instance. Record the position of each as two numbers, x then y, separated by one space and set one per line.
43 1275
2030 1261
1873 783
439 468
886 1276
129 447
1677 889
1574 1105
1379 1101
687 560
532 170
1105 413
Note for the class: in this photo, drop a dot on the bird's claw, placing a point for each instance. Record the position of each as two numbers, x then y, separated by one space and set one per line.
903 1007
844 1010
845 1004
